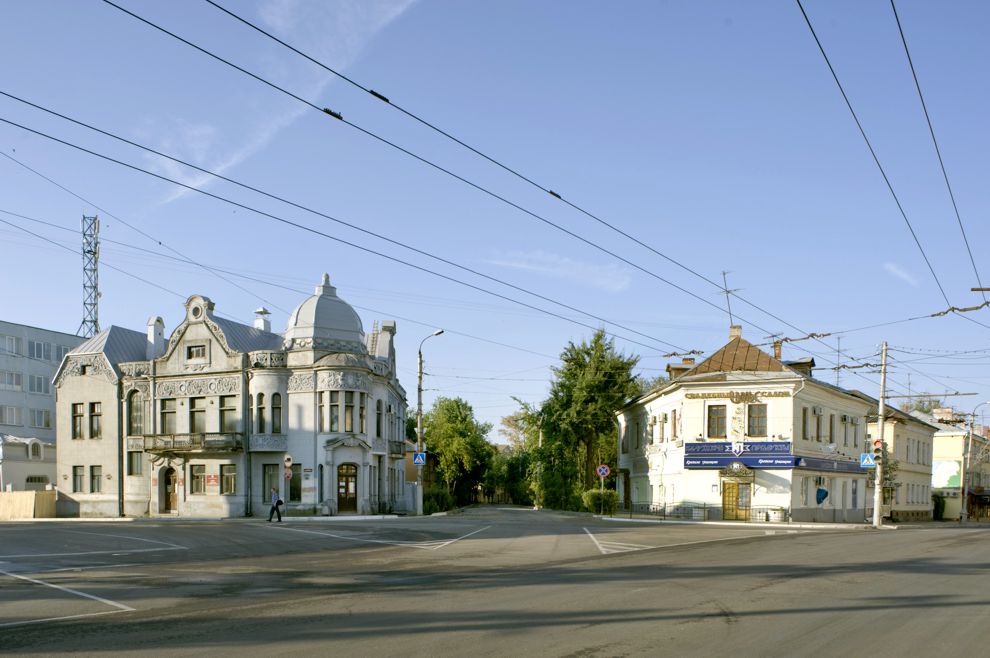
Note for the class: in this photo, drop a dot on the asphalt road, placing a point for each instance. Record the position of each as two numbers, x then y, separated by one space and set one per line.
490 581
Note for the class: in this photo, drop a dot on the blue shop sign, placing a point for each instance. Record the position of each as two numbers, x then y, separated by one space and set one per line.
754 454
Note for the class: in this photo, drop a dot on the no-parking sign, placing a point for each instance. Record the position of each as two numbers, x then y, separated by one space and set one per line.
603 471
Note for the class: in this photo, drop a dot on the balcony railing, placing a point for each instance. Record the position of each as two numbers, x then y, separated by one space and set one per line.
186 443
397 448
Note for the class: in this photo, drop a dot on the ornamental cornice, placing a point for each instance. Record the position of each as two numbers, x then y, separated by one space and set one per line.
301 382
335 380
96 364
346 441
204 386
135 368
267 359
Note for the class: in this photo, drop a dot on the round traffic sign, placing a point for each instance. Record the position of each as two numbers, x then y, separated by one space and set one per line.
288 460
603 471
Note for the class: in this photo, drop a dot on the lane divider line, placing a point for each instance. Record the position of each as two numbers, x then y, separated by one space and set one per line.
36 581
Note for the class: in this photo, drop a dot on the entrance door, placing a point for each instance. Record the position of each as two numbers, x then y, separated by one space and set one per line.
735 501
347 488
171 490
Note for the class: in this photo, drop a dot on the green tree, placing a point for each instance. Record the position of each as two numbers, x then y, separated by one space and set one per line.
578 418
458 442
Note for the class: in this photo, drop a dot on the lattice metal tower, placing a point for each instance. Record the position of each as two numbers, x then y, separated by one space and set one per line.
90 325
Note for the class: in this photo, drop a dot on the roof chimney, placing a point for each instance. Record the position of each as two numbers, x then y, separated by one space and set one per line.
675 370
776 349
261 320
155 346
944 415
735 331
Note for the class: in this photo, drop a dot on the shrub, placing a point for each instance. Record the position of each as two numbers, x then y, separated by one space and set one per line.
437 499
598 501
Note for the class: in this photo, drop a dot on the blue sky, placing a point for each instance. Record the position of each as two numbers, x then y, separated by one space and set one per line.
710 131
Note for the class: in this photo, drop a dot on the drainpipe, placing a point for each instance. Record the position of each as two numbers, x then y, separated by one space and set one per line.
247 423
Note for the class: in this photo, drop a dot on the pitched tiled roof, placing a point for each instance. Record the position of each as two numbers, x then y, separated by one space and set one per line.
739 355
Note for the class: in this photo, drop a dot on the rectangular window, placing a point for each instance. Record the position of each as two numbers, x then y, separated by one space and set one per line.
38 384
662 434
756 420
625 439
804 424
228 479
95 479
334 411
60 352
11 381
167 416
673 423
41 418
135 414
639 435
77 479
40 350
831 428
135 462
197 415
95 420
194 352
197 479
361 413
228 414
10 344
276 413
10 415
270 479
716 421
818 428
845 433
348 411
321 410
295 484
77 421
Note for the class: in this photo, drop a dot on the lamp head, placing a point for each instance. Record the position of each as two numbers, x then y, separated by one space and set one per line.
438 332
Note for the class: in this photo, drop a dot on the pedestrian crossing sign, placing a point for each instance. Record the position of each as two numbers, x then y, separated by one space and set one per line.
419 458
866 460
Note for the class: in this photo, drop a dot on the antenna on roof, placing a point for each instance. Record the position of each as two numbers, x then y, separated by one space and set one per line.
90 325
728 293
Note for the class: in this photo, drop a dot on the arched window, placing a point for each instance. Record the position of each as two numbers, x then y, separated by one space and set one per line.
378 418
276 413
35 451
260 407
135 413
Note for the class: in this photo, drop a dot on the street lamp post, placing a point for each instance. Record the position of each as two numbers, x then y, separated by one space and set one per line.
964 513
419 422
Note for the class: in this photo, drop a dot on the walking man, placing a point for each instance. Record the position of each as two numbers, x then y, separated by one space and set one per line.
276 502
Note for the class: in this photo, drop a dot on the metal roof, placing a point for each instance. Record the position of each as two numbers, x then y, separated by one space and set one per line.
245 338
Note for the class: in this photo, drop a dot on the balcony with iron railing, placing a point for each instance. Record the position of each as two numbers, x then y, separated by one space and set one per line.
208 442
397 448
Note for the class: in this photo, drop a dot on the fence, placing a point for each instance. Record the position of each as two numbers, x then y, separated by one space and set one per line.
706 512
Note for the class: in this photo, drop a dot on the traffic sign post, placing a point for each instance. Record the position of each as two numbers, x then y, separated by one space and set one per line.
419 458
603 471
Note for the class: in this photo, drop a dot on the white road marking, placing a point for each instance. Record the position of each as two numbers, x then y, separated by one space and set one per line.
608 547
429 545
116 551
94 566
41 621
120 606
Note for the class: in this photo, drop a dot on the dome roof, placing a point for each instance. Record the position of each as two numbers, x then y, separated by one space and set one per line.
325 321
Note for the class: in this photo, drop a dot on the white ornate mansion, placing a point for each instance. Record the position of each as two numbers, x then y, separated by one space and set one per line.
207 424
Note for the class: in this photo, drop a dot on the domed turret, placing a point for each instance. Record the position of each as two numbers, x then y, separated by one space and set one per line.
325 321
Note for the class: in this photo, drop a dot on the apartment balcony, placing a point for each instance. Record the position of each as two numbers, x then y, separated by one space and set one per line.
180 444
396 448
268 443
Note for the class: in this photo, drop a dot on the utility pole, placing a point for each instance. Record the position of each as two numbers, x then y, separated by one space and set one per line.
881 421
419 423
90 325
967 458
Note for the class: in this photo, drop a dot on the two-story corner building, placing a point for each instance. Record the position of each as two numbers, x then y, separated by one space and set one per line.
745 436
909 442
950 466
29 357
209 422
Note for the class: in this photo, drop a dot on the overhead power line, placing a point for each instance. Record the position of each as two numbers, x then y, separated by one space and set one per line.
327 236
337 115
351 225
873 152
938 151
